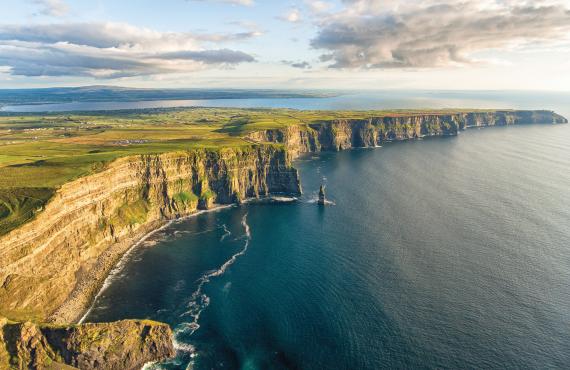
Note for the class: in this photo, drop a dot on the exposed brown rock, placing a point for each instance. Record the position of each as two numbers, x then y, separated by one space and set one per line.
54 265
322 198
358 133
121 345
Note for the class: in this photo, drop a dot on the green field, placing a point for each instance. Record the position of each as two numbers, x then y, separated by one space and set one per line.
39 153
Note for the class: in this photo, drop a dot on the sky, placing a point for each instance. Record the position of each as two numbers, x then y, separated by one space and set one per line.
303 44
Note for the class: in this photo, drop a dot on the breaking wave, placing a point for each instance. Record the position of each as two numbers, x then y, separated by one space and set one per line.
199 300
227 232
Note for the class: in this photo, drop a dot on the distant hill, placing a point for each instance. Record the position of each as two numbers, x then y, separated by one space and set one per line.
101 93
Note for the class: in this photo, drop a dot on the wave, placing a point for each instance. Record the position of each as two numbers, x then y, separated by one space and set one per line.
282 199
316 199
227 232
199 301
177 233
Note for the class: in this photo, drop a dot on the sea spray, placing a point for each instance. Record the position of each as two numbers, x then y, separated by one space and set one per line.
227 232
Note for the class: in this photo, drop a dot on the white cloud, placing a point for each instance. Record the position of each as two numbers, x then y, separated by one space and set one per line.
53 8
318 6
111 50
293 16
432 33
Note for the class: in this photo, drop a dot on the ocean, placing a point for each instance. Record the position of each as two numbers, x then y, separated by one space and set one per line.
437 253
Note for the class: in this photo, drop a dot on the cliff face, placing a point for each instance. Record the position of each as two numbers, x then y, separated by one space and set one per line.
120 345
53 266
357 133
92 221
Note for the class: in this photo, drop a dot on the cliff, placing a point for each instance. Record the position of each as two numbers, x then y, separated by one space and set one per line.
340 134
53 266
119 345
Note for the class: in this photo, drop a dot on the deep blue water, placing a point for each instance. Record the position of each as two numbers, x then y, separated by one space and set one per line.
439 253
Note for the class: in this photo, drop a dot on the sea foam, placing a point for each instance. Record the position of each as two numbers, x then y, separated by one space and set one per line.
199 300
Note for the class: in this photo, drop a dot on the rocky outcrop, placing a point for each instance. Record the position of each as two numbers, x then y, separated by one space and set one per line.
322 198
54 265
121 345
343 134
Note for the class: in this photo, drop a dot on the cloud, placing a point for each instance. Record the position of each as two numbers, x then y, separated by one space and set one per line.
397 34
293 16
111 50
53 8
318 6
221 56
248 25
300 65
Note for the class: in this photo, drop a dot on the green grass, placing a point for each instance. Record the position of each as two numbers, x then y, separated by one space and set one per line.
40 153
207 195
185 198
20 205
131 213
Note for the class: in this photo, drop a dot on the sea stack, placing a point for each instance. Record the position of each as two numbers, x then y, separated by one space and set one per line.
322 199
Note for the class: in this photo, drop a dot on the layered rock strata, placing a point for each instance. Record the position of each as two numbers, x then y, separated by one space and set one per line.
54 265
358 133
120 345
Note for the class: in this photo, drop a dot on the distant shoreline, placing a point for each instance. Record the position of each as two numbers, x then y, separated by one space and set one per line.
11 99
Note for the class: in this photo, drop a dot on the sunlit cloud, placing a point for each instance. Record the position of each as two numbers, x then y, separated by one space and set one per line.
319 6
395 34
293 16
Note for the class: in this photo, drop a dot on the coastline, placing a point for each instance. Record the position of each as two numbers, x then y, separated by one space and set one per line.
101 284
79 239
81 301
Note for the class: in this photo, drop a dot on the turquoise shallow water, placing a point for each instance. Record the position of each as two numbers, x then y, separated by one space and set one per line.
439 253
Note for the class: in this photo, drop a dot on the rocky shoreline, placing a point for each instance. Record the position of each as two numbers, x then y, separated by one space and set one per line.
91 282
57 264
75 306
127 344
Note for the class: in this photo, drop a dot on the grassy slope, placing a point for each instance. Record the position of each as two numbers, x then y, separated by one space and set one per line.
39 153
